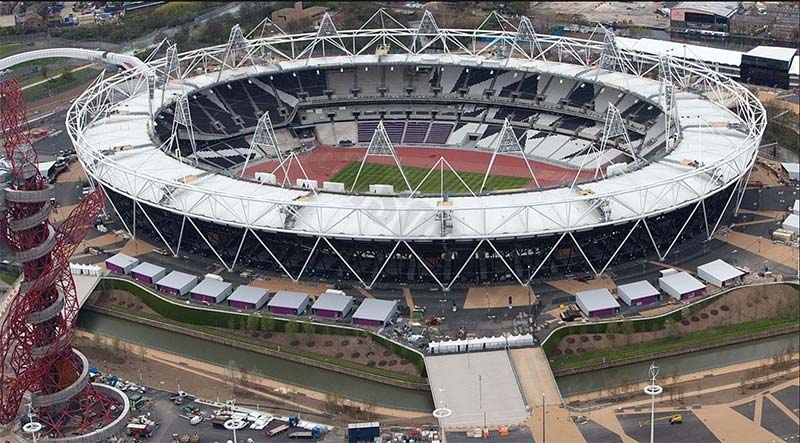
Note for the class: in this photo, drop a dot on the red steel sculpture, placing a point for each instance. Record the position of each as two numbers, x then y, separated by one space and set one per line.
39 321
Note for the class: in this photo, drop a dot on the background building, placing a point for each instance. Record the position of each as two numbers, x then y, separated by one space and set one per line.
638 293
211 290
374 312
702 17
332 303
177 283
681 285
767 66
289 303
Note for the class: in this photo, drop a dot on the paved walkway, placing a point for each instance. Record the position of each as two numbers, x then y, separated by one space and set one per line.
535 376
478 388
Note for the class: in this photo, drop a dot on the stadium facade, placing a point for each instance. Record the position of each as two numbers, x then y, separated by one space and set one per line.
660 149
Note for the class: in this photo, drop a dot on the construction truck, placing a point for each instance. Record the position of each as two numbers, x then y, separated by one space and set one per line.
673 420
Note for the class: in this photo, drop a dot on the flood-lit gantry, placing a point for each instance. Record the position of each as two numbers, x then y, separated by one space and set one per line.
626 154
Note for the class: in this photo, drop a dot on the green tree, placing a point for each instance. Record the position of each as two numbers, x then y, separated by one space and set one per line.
252 322
519 8
267 323
231 323
308 331
612 328
291 329
626 328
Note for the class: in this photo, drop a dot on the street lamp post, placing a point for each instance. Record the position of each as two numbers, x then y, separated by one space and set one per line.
544 421
652 390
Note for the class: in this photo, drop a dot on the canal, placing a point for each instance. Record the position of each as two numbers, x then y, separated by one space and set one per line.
286 371
677 365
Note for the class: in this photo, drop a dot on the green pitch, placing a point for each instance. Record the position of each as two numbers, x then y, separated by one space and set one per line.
389 175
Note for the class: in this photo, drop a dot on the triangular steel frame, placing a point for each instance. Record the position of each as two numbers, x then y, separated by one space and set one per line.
236 51
380 146
506 142
264 141
182 118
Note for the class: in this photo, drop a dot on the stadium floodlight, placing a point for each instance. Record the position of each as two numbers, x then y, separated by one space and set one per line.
265 143
525 40
327 33
428 33
612 58
667 94
182 119
507 143
236 51
380 146
172 70
614 128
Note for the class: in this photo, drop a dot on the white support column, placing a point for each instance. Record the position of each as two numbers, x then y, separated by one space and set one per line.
546 257
271 254
230 269
158 231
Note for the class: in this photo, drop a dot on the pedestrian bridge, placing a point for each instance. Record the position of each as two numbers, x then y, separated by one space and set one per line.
122 60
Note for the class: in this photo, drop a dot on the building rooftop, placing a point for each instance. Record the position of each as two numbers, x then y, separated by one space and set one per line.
122 260
287 299
683 282
597 299
724 9
376 310
176 280
773 52
211 287
637 290
248 294
721 270
794 68
331 301
147 269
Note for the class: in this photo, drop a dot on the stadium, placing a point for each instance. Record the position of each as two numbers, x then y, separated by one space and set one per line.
428 156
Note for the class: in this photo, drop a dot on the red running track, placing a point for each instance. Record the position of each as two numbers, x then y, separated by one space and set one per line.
325 161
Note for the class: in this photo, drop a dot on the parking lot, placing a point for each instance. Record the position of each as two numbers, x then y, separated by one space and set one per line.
174 421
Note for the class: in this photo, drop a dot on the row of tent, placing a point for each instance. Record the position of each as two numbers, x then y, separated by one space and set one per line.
80 269
480 344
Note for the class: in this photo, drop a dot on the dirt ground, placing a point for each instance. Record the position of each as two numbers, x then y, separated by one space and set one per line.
746 304
641 14
779 253
573 286
497 297
353 349
275 284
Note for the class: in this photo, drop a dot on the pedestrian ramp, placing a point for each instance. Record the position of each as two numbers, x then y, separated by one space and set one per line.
535 377
477 388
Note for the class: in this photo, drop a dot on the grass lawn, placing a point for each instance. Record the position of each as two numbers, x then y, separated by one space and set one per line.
666 344
78 77
389 175
5 49
9 277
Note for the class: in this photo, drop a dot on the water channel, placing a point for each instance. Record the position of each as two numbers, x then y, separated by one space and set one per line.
282 370
679 364
364 390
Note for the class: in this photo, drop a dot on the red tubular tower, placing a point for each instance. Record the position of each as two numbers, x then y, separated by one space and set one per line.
39 319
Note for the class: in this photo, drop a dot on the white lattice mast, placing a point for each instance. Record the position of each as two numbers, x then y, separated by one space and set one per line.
181 119
172 69
327 33
427 29
380 146
264 141
507 143
667 93
612 58
235 50
525 40
614 128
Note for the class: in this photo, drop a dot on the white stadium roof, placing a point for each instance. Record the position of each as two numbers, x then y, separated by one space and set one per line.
143 169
